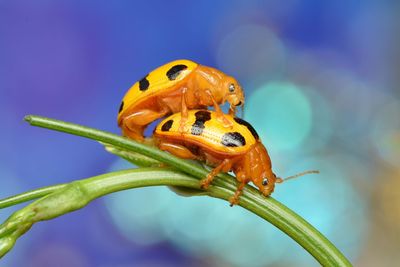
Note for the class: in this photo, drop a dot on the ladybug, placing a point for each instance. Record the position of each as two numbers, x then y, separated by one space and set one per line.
176 87
204 137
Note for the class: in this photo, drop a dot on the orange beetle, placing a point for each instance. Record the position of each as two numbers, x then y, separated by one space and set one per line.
176 86
205 138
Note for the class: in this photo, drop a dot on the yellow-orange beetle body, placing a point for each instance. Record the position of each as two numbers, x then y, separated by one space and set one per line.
237 148
174 87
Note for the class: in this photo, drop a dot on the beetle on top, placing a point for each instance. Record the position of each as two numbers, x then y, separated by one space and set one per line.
177 86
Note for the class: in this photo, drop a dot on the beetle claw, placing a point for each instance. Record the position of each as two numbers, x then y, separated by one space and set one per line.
204 184
226 123
234 200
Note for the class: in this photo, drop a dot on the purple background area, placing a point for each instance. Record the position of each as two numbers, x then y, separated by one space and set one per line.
74 61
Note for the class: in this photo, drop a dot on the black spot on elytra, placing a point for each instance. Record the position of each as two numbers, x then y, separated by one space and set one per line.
201 117
144 84
248 125
174 72
233 139
166 126
121 107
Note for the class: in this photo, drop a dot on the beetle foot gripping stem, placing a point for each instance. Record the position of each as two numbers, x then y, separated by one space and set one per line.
224 166
205 183
234 200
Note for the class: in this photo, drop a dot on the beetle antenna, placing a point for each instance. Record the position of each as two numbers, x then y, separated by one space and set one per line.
280 180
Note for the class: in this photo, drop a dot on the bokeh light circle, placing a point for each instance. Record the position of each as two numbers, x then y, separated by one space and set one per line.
323 118
329 201
202 227
281 114
385 134
388 201
132 210
252 53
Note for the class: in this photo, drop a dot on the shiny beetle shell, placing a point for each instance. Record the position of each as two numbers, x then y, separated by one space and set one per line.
163 78
203 128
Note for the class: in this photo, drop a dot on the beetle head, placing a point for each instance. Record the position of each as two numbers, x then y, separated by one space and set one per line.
233 92
266 184
261 169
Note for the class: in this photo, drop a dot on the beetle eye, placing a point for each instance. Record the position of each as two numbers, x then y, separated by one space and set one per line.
231 88
265 182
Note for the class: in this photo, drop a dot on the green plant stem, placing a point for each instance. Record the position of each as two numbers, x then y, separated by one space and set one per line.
268 208
117 141
70 197
30 195
133 157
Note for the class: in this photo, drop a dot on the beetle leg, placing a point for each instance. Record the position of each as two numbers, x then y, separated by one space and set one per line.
221 117
235 198
135 133
134 124
177 150
143 117
184 111
232 111
225 166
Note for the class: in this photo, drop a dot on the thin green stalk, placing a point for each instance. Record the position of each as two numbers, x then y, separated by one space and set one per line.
133 157
77 194
223 187
30 195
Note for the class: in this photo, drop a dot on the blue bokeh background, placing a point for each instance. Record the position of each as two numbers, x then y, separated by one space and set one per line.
322 89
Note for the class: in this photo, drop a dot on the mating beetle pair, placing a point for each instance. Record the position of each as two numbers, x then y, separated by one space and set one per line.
185 89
